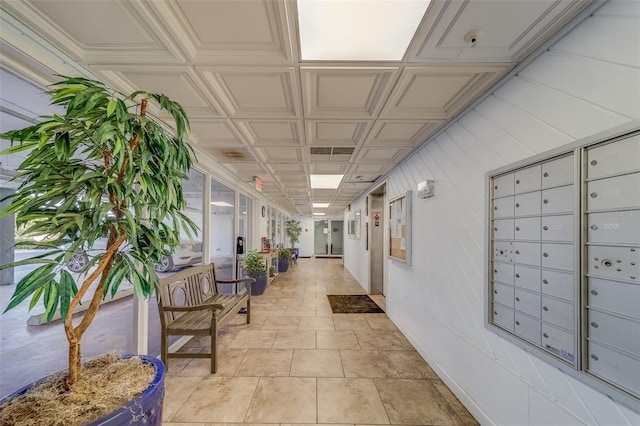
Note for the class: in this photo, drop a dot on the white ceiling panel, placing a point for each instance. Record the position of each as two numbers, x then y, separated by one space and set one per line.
246 93
446 34
328 169
400 133
336 133
281 154
435 93
255 108
382 155
347 92
286 169
283 133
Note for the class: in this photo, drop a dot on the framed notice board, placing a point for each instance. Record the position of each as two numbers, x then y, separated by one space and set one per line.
400 228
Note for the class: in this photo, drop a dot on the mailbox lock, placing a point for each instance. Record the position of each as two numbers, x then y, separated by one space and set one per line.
518 181
633 263
517 322
517 204
545 174
594 292
517 275
495 187
594 324
544 308
495 271
594 356
594 194
633 277
546 228
594 227
495 291
545 201
495 313
517 228
607 263
495 208
633 249
517 299
495 229
545 281
517 251
545 254
594 162
546 336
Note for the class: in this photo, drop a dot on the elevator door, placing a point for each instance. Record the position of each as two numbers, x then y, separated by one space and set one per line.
328 237
377 244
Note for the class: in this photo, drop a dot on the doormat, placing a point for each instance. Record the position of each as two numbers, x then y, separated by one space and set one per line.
353 304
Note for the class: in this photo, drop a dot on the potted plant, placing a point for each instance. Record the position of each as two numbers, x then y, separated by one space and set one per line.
104 169
255 268
283 259
293 230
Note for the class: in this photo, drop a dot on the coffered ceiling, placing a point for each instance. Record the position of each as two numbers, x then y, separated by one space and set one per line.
256 108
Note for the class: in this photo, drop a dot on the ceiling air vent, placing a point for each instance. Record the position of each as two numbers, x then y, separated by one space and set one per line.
342 151
316 150
320 151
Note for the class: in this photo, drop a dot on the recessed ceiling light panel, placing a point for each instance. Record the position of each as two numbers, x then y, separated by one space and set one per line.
325 181
320 205
358 30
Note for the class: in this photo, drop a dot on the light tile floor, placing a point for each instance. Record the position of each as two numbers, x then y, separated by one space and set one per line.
298 363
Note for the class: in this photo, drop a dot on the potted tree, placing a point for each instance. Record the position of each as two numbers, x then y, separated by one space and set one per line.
255 268
293 230
283 259
105 169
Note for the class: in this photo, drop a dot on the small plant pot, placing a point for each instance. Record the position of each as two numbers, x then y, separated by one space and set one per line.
145 409
258 287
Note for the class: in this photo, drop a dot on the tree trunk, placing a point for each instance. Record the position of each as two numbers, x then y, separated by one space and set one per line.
74 361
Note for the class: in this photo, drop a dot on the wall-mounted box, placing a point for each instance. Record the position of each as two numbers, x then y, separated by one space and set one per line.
426 189
563 259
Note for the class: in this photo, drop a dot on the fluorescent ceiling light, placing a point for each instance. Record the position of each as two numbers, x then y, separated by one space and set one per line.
318 214
325 181
320 205
221 204
358 30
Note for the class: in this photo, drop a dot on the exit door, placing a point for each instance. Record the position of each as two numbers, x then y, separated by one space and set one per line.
328 237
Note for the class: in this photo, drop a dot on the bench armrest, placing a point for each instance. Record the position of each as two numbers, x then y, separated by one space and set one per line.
209 306
245 281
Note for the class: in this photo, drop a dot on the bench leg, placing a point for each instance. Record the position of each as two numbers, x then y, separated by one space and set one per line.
248 310
164 350
214 347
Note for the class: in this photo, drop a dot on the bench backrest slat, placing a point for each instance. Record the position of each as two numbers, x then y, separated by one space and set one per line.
189 287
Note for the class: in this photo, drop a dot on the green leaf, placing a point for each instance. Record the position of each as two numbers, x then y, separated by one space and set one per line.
67 290
50 299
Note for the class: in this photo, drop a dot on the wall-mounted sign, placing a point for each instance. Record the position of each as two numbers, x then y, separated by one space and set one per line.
376 218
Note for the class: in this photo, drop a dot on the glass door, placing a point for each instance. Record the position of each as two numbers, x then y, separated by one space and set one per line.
328 237
337 237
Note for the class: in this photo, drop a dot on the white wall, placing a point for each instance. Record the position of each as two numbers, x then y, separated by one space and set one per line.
358 265
586 83
306 238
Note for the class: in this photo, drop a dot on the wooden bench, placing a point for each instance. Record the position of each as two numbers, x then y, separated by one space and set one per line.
189 304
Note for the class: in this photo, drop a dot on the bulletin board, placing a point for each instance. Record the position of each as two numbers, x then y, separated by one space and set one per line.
353 225
400 228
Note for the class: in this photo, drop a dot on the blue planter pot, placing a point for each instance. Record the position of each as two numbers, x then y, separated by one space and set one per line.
145 409
283 264
258 287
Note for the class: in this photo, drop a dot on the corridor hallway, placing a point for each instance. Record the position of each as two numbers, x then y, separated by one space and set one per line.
298 363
